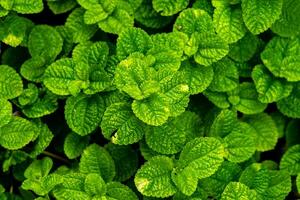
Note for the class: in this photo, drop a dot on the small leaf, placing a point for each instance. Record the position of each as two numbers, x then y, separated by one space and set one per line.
118 191
96 159
28 6
291 160
94 185
17 133
38 168
154 178
74 145
84 113
121 125
289 106
259 16
169 7
11 85
5 112
236 190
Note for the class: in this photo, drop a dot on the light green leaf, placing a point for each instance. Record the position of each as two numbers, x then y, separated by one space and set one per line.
121 125
118 21
172 136
289 106
59 7
226 76
27 6
126 160
229 23
169 7
118 191
244 49
17 133
193 20
74 145
265 130
223 123
201 156
196 76
215 184
154 178
11 85
14 29
260 15
42 142
237 191
34 68
133 40
84 113
44 41
153 110
72 187
135 76
288 23
211 48
269 88
291 160
13 158
29 95
217 98
76 27
240 143
38 168
281 57
5 112
94 184
245 99
96 159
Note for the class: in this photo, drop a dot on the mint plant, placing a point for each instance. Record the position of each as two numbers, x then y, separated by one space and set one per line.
149 99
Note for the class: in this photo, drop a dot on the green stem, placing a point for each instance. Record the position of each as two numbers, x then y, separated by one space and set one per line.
47 153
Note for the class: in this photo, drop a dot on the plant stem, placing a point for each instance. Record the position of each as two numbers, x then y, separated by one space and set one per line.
47 153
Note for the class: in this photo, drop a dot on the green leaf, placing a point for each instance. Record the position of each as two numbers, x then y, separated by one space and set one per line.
133 40
236 190
74 145
5 112
28 6
17 133
84 113
281 57
11 85
169 7
171 137
154 178
259 16
223 123
34 68
289 106
126 160
14 29
217 98
269 88
94 184
29 95
244 49
118 21
121 125
60 78
96 159
38 168
211 48
215 184
43 140
193 20
76 27
72 187
291 160
118 191
229 23
226 76
153 110
298 183
13 158
245 99
44 41
135 76
265 130
240 143
287 25
196 76
59 7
